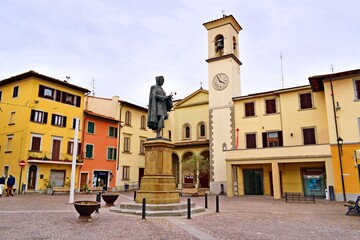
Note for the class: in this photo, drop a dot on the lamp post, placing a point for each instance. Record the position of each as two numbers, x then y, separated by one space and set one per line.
340 142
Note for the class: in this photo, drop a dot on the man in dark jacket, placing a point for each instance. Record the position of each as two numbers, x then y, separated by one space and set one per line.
10 185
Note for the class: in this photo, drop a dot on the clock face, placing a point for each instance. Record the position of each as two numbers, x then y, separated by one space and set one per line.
220 81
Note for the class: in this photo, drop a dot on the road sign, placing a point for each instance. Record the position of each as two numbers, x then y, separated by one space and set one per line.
22 163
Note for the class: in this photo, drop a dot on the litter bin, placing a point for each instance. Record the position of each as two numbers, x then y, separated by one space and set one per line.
326 194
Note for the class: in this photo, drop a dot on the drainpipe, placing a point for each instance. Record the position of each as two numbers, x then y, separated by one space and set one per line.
337 139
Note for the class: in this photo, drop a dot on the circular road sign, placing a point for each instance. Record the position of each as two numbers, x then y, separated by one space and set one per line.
22 163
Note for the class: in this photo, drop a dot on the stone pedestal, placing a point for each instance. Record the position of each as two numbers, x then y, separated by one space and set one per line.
158 184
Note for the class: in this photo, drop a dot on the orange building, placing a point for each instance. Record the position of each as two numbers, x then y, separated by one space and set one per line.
100 151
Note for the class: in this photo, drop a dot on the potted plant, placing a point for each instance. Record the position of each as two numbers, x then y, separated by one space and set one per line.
49 184
85 209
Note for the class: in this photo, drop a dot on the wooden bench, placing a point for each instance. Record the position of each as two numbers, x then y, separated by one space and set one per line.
353 206
193 191
299 197
60 189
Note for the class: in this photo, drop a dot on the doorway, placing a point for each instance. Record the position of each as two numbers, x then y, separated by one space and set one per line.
253 182
32 177
101 179
83 180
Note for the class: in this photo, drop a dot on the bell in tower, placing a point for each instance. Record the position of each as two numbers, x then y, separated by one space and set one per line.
220 44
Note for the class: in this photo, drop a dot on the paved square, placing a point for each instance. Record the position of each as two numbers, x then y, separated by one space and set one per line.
249 217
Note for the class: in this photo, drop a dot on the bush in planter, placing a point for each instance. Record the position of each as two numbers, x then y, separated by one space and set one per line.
49 184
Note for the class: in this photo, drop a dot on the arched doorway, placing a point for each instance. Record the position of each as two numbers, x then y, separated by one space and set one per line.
189 175
176 168
31 183
205 177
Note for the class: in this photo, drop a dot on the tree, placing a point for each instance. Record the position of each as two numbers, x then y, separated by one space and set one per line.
197 164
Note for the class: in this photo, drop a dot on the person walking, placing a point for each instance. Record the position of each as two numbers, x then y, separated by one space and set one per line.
2 184
10 185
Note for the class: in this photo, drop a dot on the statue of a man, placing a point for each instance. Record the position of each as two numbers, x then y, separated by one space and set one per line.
159 105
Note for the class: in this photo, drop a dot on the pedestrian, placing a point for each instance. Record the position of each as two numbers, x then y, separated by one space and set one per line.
2 184
10 185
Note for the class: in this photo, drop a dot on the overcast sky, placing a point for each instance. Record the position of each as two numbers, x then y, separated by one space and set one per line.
123 45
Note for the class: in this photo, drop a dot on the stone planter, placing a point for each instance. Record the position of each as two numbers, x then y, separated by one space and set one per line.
110 198
49 190
85 209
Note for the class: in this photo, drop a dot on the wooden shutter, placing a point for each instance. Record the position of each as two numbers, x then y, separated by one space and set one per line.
264 139
41 91
280 137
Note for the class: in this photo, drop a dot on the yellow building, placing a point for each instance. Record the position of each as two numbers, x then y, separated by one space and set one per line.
341 93
37 116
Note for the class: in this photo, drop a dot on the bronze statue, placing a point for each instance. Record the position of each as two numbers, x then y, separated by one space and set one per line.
159 105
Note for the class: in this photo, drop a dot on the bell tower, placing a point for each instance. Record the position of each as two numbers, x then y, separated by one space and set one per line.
224 84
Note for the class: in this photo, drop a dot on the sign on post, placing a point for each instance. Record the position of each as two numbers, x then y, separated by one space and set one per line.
22 163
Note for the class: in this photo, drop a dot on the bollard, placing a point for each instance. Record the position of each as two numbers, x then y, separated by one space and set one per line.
98 199
206 200
143 208
188 209
217 203
134 196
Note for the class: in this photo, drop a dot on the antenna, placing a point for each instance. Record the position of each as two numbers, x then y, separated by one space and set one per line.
332 68
223 13
93 87
282 73
201 85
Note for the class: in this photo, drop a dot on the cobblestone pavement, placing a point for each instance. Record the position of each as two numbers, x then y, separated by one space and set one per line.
249 217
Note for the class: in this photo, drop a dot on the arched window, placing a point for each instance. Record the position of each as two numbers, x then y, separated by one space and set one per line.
186 131
201 131
235 46
219 45
128 118
143 122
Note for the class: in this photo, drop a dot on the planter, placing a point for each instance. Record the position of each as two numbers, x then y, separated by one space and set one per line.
110 198
49 190
85 209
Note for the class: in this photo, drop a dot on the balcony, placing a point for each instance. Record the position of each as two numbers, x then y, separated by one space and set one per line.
45 157
301 153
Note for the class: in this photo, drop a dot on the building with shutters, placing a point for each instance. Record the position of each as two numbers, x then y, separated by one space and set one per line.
37 122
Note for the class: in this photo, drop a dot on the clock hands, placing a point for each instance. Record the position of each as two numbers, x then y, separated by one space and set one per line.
219 79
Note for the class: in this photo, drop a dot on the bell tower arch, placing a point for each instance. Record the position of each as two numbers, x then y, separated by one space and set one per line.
224 84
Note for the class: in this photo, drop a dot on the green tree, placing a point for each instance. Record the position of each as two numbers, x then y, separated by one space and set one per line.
196 164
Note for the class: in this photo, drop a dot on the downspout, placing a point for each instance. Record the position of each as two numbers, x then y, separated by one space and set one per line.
120 126
337 139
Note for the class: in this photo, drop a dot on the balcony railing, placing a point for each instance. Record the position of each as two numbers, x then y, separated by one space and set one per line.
47 156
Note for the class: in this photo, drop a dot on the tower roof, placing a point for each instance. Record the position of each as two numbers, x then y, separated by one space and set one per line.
223 21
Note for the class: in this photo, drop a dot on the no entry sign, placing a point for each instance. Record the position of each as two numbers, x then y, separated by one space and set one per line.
22 163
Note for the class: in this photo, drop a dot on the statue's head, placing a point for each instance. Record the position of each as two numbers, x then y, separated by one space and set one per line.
159 80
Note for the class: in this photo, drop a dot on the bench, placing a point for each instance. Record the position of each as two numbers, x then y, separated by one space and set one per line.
299 197
353 206
193 191
60 189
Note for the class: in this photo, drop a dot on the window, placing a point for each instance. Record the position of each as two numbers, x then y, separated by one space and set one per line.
305 100
0 95
201 130
38 116
111 153
249 109
113 132
70 148
143 122
251 140
59 96
309 136
89 151
186 131
74 122
9 143
272 139
126 144
128 118
357 89
58 120
270 106
126 173
35 142
16 91
142 148
90 127
169 133
12 118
